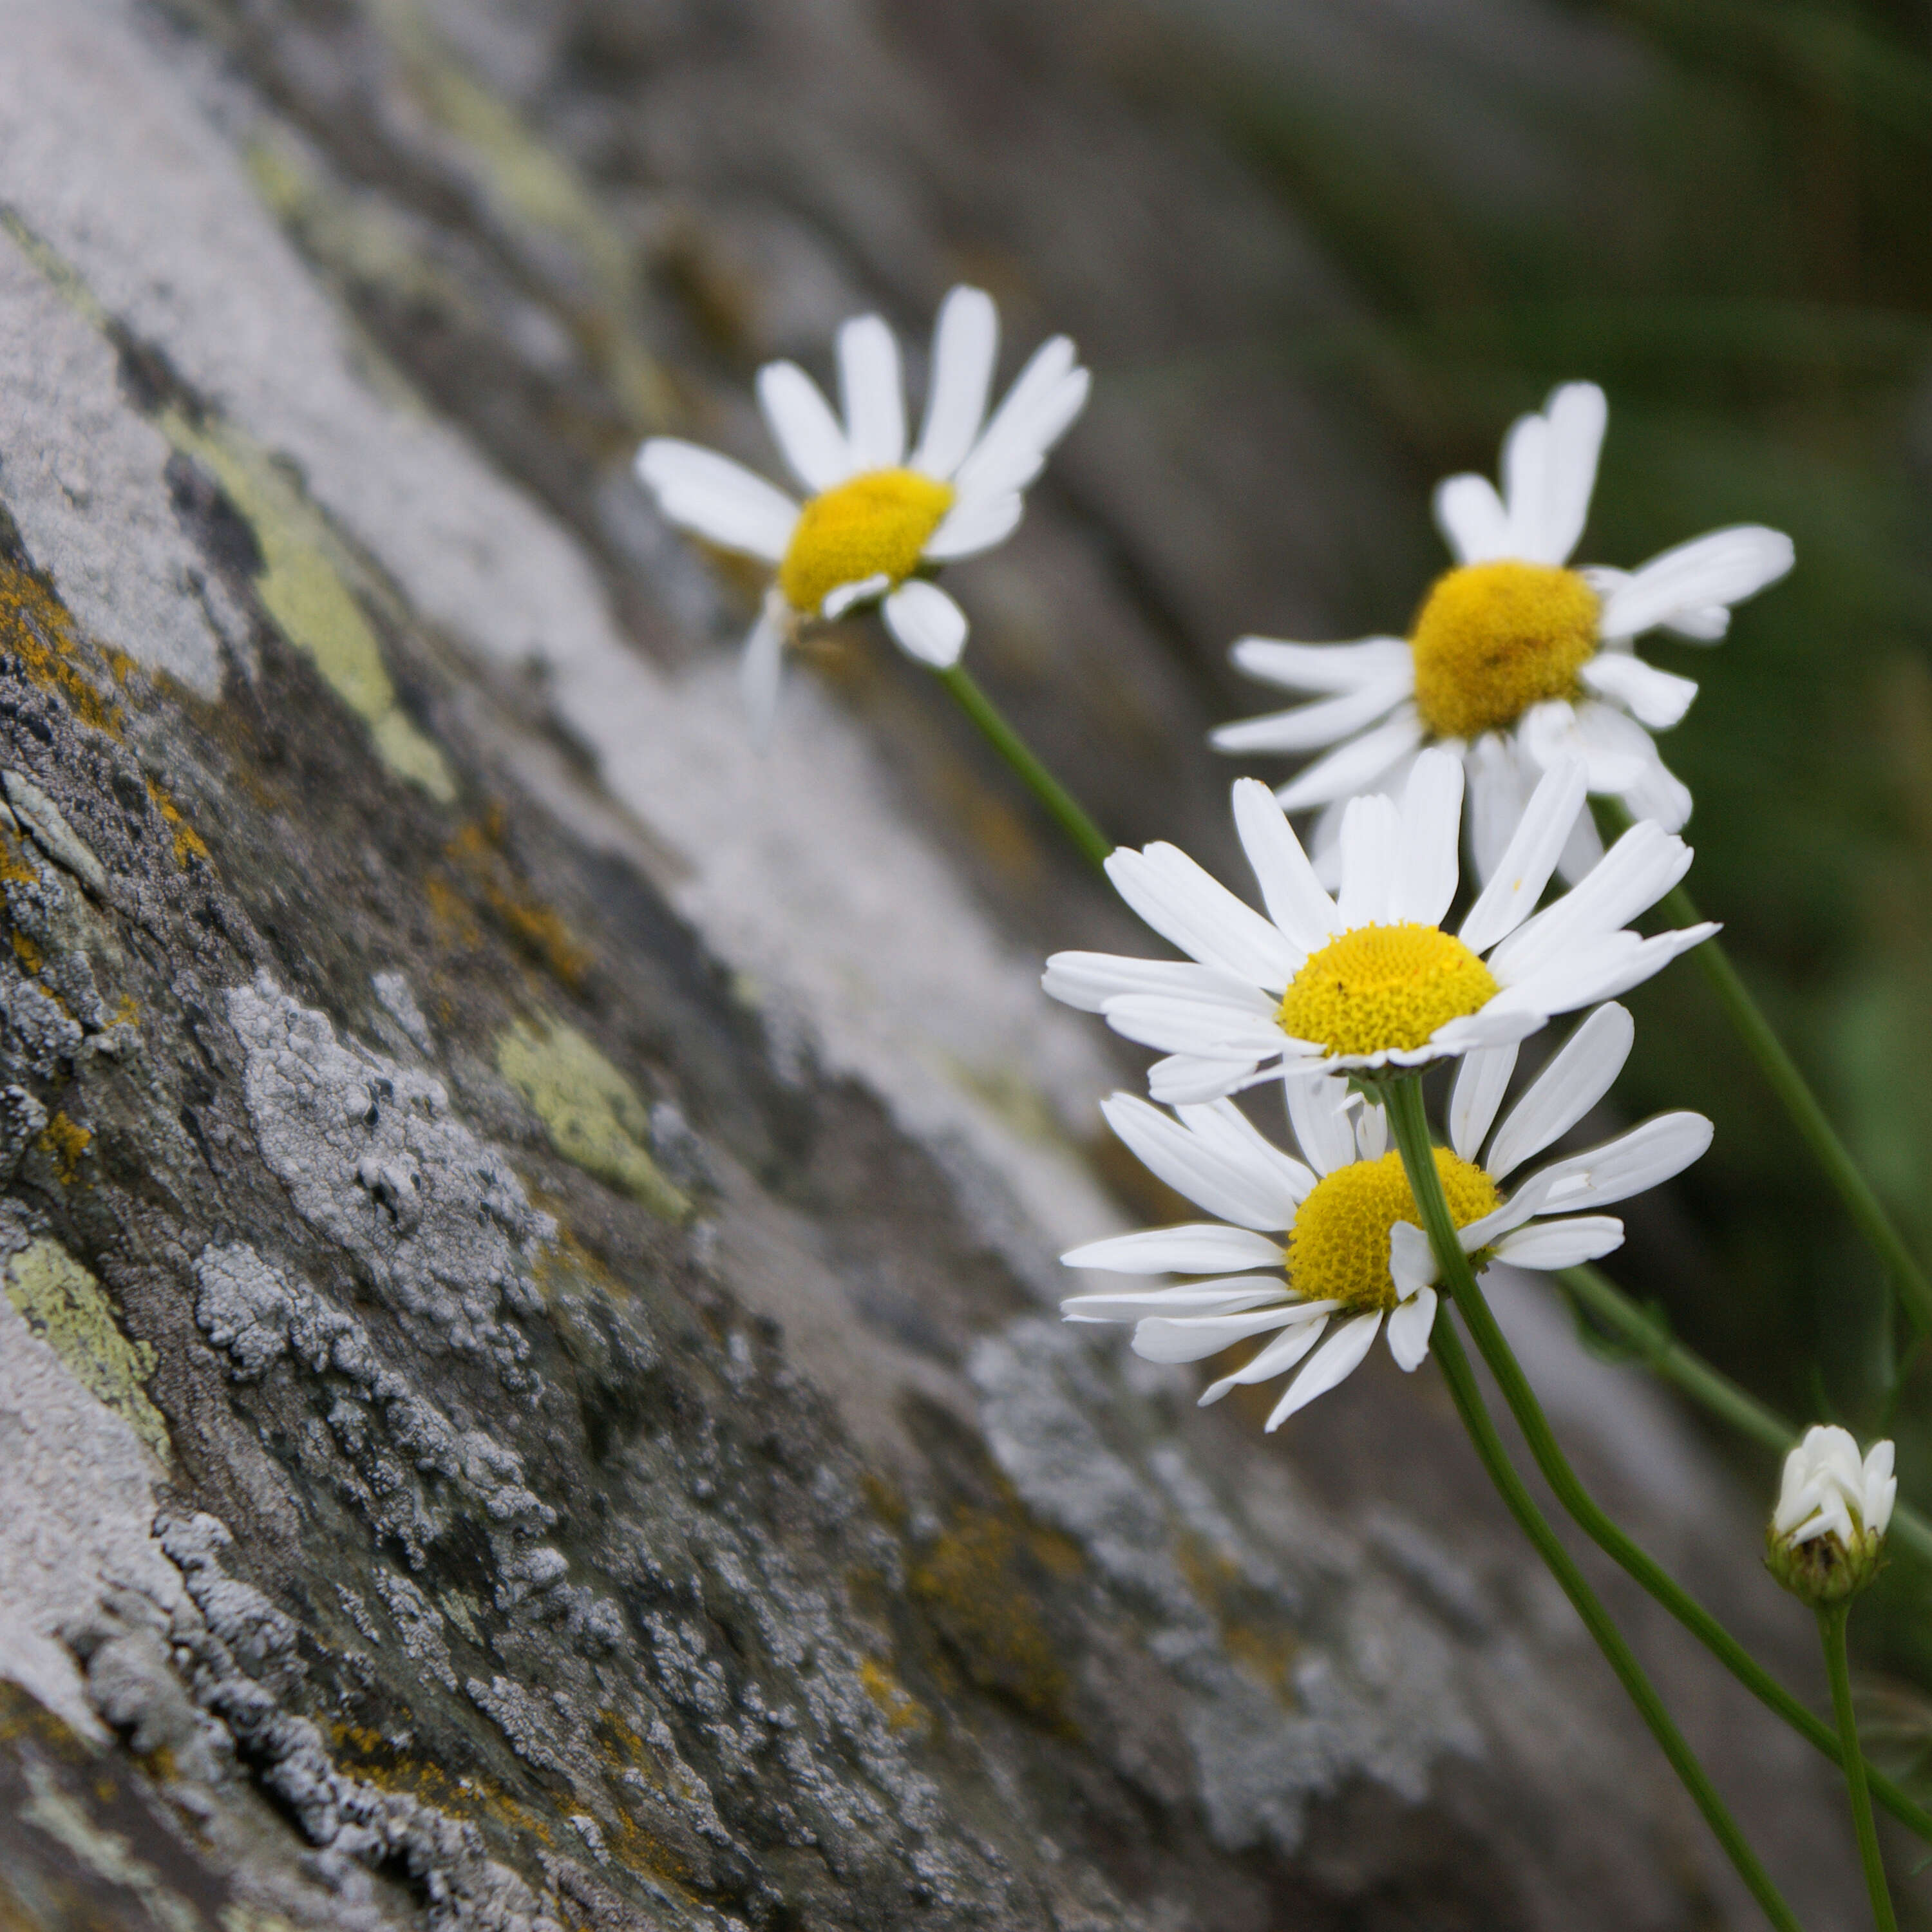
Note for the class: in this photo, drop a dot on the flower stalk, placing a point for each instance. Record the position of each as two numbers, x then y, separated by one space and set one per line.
1832 1619
1447 1347
1409 1124
1086 837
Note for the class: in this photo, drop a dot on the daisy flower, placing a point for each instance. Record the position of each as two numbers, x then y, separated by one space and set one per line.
1333 1248
1515 658
1370 979
1827 1535
875 521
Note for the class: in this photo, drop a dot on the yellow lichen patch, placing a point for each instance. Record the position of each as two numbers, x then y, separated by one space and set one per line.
26 952
63 1304
367 1755
1385 989
1266 1654
37 634
305 586
591 1113
973 1583
1492 639
903 1712
478 848
66 1141
188 843
875 526
1338 1249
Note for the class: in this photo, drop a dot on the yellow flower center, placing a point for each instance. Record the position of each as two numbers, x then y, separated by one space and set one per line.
1338 1249
875 525
1381 989
1493 639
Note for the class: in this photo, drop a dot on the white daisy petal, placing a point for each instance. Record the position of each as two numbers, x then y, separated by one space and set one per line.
1637 871
1187 906
1472 519
869 386
974 524
1236 1295
1325 667
1307 726
803 426
1480 1083
1345 771
1566 1089
1529 860
1371 1132
1193 1167
841 598
1088 980
1643 1158
1409 1329
1318 1111
1660 794
1280 1356
1551 732
1724 568
716 498
1412 1260
1290 890
1204 1247
1529 1199
1039 408
1161 1338
1654 697
1525 482
965 345
927 623
759 670
1226 1134
1334 1362
1561 1244
1371 848
1171 1025
1576 414
1432 816
1184 1079
1499 788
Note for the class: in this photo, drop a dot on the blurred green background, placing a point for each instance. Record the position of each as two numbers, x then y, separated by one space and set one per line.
1721 210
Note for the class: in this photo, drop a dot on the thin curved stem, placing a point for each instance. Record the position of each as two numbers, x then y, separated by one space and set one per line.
1448 1347
1781 1074
1087 839
1403 1099
1832 1619
1649 1338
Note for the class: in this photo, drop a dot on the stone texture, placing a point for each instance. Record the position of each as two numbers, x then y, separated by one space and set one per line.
630 1478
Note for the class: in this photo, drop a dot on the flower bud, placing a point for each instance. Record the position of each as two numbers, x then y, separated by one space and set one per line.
1826 1540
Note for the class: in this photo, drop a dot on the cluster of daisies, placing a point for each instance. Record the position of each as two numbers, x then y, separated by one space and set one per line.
1517 695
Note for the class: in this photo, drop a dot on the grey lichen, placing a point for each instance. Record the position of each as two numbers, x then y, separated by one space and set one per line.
376 1161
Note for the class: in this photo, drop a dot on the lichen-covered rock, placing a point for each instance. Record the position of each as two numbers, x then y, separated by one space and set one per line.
525 1398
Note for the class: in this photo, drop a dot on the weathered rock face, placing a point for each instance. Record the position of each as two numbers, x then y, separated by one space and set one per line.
527 1381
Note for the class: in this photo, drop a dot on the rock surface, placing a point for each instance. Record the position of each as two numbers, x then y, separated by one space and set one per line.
527 1381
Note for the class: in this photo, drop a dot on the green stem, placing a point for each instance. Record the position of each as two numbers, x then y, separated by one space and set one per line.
1832 1619
1649 1337
1780 1072
1403 1100
1447 1346
1086 837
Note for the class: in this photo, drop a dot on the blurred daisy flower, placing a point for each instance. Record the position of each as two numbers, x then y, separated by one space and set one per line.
1827 1535
1370 980
875 521
1333 1248
1515 659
